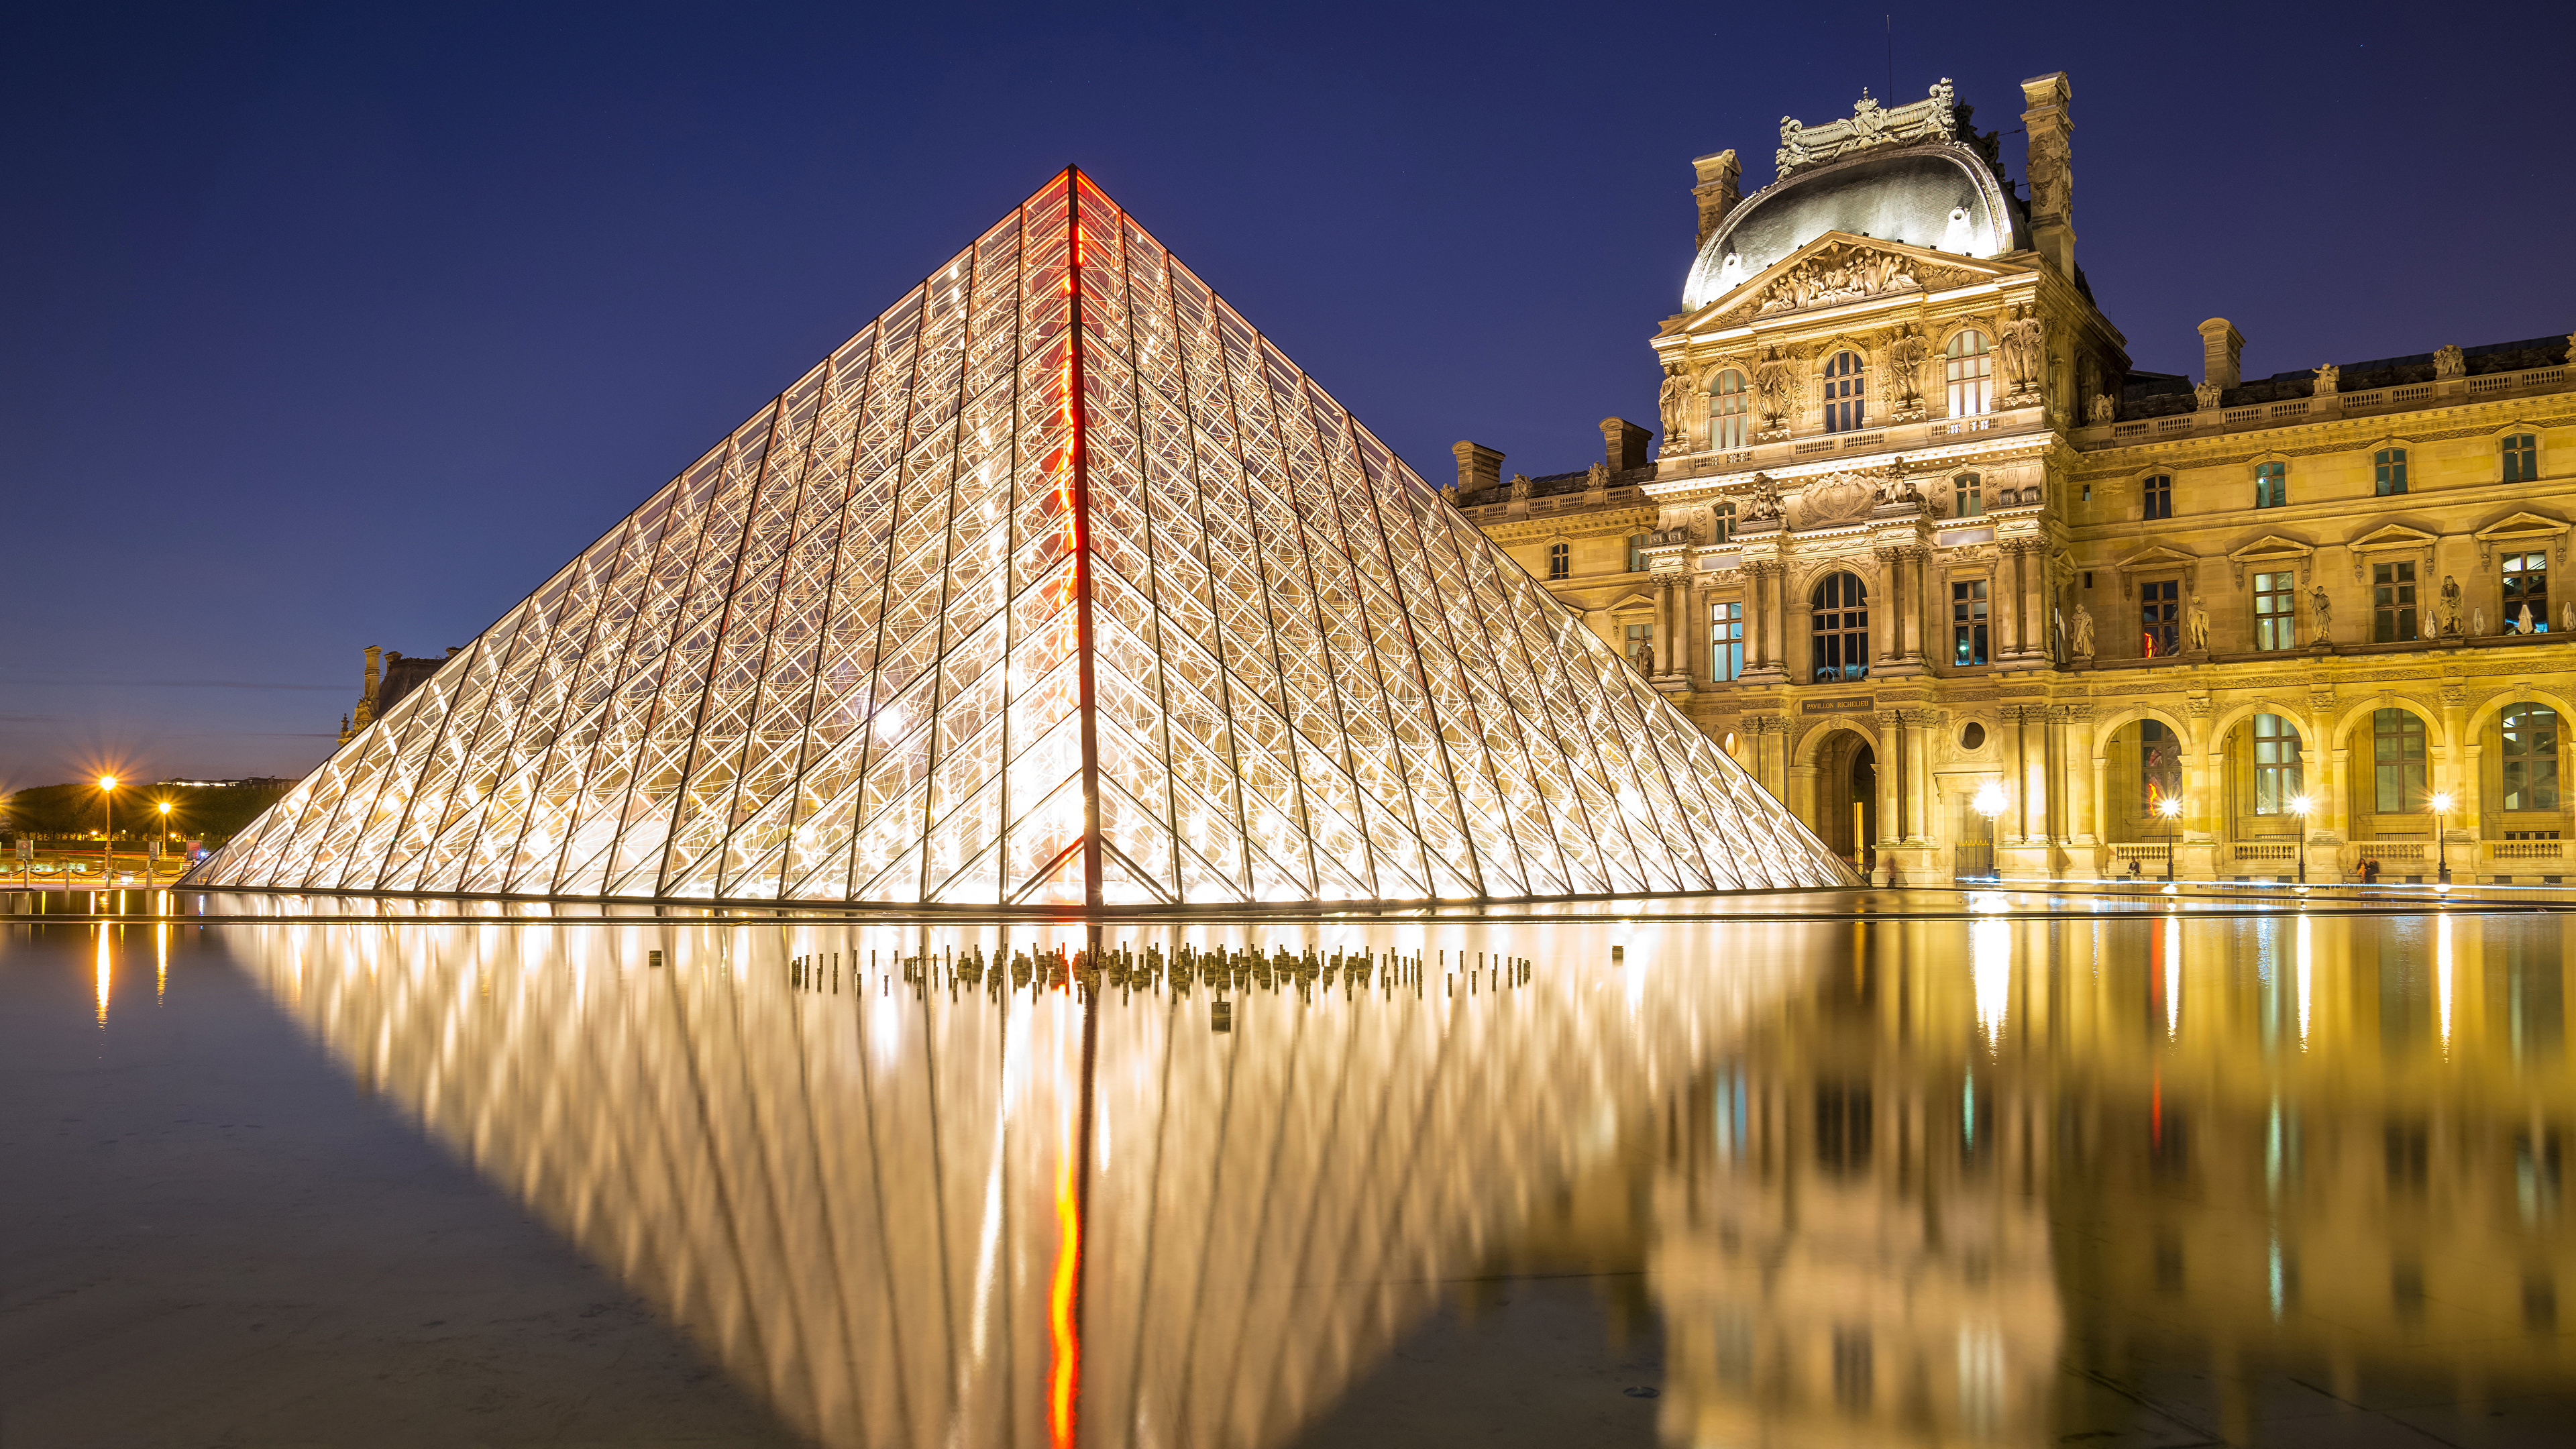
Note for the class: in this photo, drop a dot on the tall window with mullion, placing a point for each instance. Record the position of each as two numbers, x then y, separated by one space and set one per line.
2392 603
2521 458
2156 496
2271 484
2530 758
2278 773
2160 618
1726 640
1845 382
1729 406
2276 610
1839 626
2388 472
2526 586
1560 561
1971 371
1967 496
1967 621
2396 762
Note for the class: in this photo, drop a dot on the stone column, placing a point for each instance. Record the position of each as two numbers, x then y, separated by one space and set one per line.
1918 604
1891 776
2080 824
1918 781
1777 625
2038 726
1886 613
2003 599
2036 635
1719 177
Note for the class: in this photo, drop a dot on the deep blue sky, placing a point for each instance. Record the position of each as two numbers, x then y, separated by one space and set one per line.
331 326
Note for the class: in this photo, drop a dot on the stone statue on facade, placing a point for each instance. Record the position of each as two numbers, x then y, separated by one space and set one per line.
2321 610
1520 488
2021 348
2329 378
2446 609
2567 616
1775 382
1905 354
2478 621
2208 393
1596 483
2196 627
2450 362
1449 494
2051 177
1763 504
2081 643
2523 624
1677 387
2105 411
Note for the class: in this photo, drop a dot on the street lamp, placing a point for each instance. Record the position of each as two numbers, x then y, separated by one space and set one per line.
107 803
1989 802
2300 805
2441 804
2170 808
165 830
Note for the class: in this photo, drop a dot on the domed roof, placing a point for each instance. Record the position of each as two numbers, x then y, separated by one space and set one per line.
1938 195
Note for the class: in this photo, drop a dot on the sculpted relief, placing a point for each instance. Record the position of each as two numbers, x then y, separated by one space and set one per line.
1837 274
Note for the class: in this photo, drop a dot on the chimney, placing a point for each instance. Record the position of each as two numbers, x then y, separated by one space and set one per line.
2051 166
2221 345
1623 442
375 671
1479 467
1718 191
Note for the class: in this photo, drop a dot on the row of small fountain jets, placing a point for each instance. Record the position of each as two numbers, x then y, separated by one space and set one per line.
1128 969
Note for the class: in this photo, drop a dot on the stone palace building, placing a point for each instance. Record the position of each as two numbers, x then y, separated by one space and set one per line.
1971 593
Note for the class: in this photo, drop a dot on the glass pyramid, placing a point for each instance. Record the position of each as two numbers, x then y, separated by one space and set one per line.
1058 584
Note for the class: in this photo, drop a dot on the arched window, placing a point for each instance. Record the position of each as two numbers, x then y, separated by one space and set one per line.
1971 370
1845 380
2530 757
1840 626
1728 407
2278 774
2159 763
1560 560
2396 761
2522 458
2388 472
1967 496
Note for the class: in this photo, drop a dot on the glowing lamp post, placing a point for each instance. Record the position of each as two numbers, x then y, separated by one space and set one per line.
1989 802
2170 808
107 837
165 828
2300 805
2441 804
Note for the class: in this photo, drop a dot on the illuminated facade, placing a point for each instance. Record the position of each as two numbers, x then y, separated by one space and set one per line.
1058 584
1917 528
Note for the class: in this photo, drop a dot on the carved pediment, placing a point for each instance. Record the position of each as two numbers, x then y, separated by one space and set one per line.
2157 556
2271 548
2392 536
1638 603
2520 525
1839 268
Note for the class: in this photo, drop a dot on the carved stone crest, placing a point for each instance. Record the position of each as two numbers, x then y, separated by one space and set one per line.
1934 118
1838 499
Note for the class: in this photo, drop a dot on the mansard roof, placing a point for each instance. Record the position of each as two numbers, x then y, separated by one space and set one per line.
2156 394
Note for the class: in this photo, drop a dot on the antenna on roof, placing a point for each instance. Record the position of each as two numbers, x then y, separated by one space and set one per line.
1890 18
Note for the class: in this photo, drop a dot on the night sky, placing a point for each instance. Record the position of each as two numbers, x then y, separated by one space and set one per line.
329 326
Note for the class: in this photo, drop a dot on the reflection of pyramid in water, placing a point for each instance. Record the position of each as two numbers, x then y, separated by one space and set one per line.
1057 583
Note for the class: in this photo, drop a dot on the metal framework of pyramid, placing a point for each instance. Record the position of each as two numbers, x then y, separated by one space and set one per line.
1057 584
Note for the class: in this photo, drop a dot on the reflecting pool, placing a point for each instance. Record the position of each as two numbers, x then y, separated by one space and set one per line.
2051 1172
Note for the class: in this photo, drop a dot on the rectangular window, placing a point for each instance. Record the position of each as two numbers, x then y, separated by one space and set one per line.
1560 560
2158 494
2271 484
2526 586
2160 618
2530 758
1641 647
2276 611
1968 621
2159 764
2392 603
1967 496
2397 762
1726 640
1636 553
1725 516
2522 458
2388 472
1728 407
2277 771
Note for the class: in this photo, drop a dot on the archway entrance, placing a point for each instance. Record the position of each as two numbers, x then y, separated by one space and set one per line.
1847 799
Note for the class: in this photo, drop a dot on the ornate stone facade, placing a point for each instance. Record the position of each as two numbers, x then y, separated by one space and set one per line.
1920 538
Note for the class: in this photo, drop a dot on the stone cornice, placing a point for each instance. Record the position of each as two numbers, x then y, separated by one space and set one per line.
2220 450
1602 523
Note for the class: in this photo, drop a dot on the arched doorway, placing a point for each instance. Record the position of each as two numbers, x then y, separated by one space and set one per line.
1847 798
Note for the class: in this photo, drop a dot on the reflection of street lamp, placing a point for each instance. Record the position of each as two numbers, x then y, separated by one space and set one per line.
107 803
1990 803
2300 805
2170 808
2441 804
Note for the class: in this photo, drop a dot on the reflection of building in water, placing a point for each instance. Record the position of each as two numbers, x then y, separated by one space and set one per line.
1852 1244
2329 1148
933 1218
